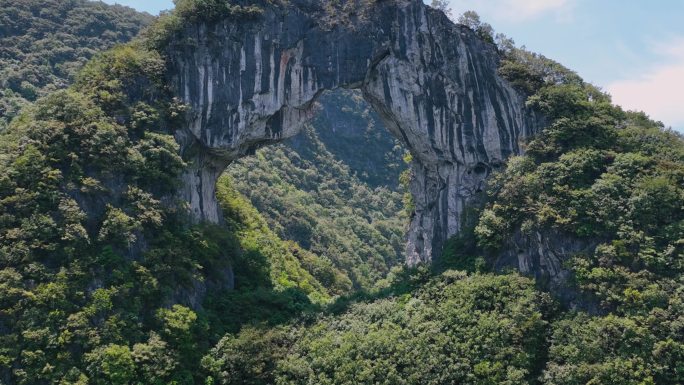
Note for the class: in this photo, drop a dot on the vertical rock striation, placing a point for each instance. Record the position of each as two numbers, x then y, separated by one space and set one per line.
542 255
435 84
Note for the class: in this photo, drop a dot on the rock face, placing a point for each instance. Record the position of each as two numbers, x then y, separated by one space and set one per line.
542 255
252 82
351 131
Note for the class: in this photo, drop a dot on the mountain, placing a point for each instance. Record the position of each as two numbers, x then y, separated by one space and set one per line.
434 84
91 241
566 267
43 44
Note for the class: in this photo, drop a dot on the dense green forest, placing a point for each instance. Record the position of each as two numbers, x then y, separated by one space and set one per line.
311 194
104 280
71 234
596 172
43 44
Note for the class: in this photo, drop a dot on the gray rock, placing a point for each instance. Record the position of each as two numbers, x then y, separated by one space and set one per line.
253 81
542 255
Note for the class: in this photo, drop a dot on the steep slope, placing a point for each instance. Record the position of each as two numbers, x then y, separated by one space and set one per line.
104 279
101 226
43 44
101 267
314 197
251 75
584 195
598 196
98 263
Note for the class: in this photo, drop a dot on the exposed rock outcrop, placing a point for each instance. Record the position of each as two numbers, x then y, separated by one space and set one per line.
252 82
542 254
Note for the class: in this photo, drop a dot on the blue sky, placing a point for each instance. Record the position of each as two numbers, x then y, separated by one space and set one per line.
633 49
150 6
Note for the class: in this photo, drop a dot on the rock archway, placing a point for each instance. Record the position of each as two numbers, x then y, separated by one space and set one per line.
251 82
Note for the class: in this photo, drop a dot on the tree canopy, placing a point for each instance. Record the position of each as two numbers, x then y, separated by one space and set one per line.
105 280
43 45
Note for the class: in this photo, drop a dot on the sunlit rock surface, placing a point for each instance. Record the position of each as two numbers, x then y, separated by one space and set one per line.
253 81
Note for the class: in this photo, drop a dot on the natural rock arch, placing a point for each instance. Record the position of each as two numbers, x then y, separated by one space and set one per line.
252 82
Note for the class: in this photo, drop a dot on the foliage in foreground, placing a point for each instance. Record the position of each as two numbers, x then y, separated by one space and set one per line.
102 277
86 179
455 329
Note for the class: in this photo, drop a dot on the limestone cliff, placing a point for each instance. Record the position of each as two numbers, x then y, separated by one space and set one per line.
252 82
542 255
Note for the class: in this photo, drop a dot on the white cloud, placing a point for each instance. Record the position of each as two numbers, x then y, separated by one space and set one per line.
514 10
658 91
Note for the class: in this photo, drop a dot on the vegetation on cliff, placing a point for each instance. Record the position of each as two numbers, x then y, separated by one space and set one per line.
103 280
616 179
43 45
310 197
610 178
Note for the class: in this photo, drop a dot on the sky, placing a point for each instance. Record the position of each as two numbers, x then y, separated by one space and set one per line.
632 49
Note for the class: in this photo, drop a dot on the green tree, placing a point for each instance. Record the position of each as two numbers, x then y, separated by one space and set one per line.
442 5
111 364
472 20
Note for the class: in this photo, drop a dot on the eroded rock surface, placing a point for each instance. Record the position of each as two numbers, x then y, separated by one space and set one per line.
251 82
543 255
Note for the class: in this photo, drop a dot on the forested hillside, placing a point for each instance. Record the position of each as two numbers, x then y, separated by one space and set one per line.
104 279
597 176
43 44
71 237
334 190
